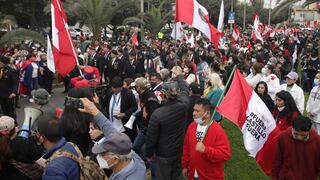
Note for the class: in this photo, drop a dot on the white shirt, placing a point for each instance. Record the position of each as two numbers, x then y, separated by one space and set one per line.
114 109
35 70
313 104
273 83
191 78
297 94
199 136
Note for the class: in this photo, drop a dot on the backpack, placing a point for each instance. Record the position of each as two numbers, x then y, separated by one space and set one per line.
88 168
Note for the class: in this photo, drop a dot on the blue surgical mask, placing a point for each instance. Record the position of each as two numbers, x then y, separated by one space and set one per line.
199 120
315 82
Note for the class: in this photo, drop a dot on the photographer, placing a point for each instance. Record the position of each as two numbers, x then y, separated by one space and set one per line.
74 124
17 154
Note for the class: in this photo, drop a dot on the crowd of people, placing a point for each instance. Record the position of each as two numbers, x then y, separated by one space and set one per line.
149 107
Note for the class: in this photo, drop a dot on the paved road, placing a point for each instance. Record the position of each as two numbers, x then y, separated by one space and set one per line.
56 99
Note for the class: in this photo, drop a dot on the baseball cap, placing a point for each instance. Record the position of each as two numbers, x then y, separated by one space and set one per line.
6 125
41 96
140 82
117 143
292 75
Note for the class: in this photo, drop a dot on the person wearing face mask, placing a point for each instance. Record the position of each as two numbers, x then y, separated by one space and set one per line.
271 79
115 153
297 153
294 90
313 107
189 75
204 157
155 82
285 110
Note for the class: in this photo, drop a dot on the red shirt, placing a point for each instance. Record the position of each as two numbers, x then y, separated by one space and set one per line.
210 164
296 160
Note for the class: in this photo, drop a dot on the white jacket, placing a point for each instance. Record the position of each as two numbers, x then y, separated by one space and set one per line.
253 79
297 94
313 104
273 83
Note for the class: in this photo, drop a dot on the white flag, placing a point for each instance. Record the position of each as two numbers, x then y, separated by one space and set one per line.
177 31
50 59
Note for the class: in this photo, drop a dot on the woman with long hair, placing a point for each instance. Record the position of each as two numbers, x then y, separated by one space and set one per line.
215 93
189 75
75 124
285 111
255 76
262 91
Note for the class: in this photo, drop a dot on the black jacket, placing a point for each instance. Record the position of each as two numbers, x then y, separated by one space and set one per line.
128 104
114 69
130 70
8 82
167 126
98 62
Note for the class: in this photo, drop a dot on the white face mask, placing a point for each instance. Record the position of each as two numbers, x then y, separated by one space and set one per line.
264 71
281 108
186 70
103 163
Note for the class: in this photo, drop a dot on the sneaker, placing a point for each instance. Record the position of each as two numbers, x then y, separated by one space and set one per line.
31 100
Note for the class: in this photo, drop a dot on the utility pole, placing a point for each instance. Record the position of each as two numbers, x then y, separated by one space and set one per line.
244 14
269 18
142 26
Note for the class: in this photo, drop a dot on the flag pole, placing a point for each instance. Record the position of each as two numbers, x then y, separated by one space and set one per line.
220 99
69 37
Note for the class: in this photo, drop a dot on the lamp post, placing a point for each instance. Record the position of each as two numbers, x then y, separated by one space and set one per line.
142 26
244 14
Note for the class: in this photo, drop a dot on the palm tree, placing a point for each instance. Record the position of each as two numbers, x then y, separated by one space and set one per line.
21 34
96 14
154 20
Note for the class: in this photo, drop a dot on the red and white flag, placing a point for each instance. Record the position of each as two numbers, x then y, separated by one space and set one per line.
134 39
235 34
312 24
244 107
256 29
220 25
65 57
177 31
194 14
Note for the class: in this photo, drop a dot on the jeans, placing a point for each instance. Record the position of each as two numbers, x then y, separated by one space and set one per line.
137 147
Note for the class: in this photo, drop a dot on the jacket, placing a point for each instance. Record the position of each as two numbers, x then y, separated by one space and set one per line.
128 104
131 70
167 126
297 94
214 96
313 104
8 82
61 167
135 170
296 160
284 121
114 69
273 84
210 164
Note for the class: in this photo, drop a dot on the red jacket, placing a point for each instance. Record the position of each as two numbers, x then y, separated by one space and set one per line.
296 159
210 164
284 122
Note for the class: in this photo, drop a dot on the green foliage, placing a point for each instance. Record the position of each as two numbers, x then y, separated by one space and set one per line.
154 20
21 34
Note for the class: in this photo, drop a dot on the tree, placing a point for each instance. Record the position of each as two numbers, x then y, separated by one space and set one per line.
154 20
18 35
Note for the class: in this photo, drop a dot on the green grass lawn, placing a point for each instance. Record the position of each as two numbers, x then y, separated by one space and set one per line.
240 166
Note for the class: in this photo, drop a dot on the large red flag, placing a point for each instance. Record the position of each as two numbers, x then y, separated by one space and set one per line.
245 108
65 58
197 16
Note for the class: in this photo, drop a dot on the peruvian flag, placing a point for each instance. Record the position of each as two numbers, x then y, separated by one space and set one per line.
220 25
65 57
134 39
256 29
244 107
235 34
192 13
312 23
